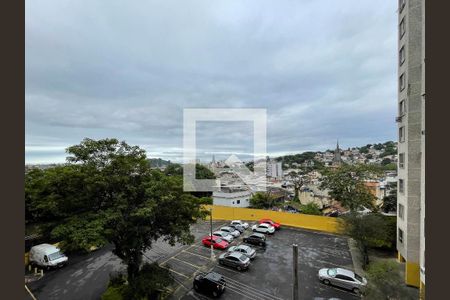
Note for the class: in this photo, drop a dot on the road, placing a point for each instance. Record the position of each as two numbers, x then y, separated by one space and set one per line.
86 276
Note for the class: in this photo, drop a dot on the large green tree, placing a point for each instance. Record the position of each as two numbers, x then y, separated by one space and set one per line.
372 230
262 200
107 193
346 185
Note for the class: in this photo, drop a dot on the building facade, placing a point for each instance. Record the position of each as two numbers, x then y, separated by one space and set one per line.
410 138
274 169
232 197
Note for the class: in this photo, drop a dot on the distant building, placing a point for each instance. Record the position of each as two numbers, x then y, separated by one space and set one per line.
337 160
274 169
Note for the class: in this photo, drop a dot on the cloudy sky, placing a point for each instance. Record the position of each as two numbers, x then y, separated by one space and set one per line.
323 70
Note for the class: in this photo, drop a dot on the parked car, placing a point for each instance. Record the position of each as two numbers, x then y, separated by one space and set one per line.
235 259
244 249
239 222
270 222
212 283
47 256
256 239
343 278
239 228
216 241
224 235
235 233
263 228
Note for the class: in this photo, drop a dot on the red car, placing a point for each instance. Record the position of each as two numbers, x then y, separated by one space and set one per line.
270 222
216 241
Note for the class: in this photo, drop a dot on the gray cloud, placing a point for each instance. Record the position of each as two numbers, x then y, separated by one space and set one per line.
323 69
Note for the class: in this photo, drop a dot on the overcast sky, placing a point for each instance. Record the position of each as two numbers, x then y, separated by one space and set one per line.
126 69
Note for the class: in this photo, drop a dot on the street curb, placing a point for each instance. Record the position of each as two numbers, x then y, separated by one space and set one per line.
356 256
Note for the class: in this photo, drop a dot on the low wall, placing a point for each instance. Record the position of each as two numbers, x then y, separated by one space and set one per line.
320 223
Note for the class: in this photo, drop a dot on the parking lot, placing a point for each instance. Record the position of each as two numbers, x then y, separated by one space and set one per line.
270 274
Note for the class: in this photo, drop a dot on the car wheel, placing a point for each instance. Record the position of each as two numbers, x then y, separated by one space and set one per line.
261 244
215 294
239 268
326 281
196 287
245 240
356 291
220 262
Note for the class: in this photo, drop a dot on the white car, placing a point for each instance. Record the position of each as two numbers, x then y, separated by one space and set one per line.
235 233
263 228
224 235
239 222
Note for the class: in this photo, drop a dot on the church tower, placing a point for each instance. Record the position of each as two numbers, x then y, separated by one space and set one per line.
337 161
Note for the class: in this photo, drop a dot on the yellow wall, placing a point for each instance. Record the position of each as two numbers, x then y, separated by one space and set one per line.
412 274
422 291
321 223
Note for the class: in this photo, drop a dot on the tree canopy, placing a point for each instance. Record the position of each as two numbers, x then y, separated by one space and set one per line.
346 185
107 193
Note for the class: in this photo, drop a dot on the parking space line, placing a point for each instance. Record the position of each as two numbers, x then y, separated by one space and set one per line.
194 266
164 267
219 266
196 254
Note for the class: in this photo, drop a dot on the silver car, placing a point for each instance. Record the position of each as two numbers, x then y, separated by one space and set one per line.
235 233
224 235
244 249
235 259
343 278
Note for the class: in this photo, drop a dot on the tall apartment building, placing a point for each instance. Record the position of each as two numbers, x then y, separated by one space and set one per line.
411 148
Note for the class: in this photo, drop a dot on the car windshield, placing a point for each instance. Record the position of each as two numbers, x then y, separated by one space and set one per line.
358 277
245 248
331 272
242 257
55 255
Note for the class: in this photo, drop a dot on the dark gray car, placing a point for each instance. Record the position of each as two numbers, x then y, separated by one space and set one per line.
235 259
256 239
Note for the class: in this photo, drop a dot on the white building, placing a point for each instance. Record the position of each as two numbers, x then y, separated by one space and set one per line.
232 197
274 170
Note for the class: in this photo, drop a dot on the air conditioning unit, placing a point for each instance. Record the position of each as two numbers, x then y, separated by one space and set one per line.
398 119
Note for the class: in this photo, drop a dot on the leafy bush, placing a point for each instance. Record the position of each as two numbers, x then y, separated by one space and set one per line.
311 209
385 282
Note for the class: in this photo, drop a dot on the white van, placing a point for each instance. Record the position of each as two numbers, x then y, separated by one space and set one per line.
48 256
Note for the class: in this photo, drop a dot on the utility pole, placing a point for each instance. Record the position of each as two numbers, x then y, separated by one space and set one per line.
295 269
210 223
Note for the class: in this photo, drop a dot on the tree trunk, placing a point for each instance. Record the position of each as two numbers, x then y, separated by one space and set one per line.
296 197
134 263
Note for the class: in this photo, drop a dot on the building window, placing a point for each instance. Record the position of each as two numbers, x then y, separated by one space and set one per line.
400 235
401 160
401 211
238 202
401 5
401 28
402 108
401 82
401 185
402 56
401 134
